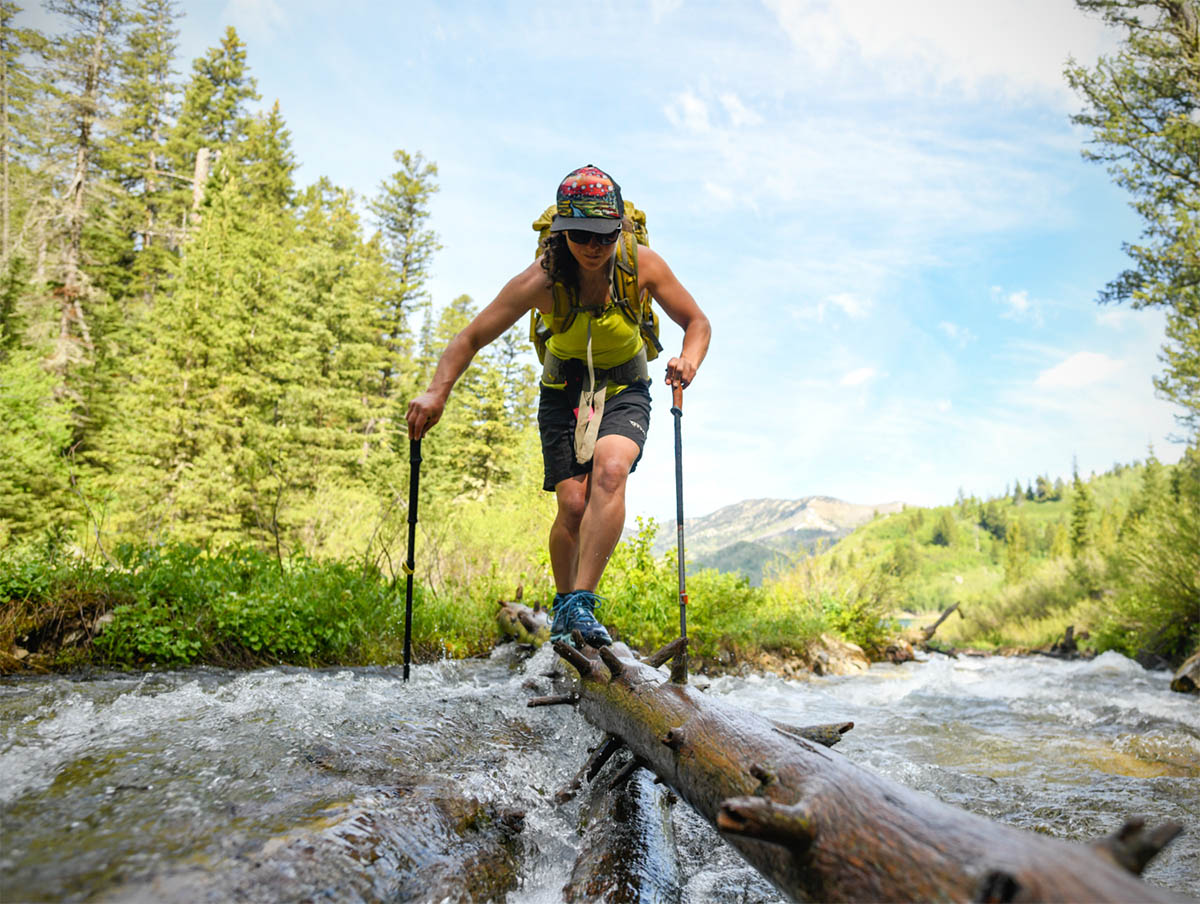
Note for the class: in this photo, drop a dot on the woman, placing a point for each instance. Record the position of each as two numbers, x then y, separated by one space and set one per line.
593 428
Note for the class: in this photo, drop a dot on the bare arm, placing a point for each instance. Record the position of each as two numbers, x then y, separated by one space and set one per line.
516 298
681 307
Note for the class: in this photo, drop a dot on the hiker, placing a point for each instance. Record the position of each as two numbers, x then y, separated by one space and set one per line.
587 290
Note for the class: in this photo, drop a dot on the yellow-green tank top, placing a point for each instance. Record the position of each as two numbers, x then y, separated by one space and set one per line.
615 339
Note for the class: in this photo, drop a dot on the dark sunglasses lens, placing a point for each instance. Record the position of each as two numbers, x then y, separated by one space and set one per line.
582 237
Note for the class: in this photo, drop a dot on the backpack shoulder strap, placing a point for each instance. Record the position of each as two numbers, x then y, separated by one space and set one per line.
625 275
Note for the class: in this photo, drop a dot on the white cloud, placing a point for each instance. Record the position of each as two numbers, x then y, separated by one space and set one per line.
1081 369
738 113
858 377
958 334
850 305
689 112
1113 318
1016 46
853 306
721 193
1018 305
944 406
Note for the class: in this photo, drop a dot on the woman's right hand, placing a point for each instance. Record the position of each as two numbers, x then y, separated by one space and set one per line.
423 412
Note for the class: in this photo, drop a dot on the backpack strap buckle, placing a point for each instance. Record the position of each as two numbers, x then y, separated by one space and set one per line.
556 371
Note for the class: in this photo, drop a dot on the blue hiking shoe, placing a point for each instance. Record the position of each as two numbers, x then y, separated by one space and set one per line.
575 611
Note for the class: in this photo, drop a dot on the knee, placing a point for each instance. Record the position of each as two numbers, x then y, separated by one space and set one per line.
609 475
570 508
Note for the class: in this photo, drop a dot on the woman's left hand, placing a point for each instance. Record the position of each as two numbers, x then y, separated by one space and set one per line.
680 371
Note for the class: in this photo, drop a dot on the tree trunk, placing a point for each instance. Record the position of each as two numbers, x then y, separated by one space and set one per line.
5 31
821 828
72 310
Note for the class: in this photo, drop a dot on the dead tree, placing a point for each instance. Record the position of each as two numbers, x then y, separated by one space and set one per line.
823 829
927 633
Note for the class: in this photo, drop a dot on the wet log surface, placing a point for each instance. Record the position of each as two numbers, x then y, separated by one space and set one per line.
628 853
823 829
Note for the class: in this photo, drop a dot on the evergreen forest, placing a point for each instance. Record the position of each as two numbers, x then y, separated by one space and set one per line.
204 370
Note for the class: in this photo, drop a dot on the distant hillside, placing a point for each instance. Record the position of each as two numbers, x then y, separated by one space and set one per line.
747 536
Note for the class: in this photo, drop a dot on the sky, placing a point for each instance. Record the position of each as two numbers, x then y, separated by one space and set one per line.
881 207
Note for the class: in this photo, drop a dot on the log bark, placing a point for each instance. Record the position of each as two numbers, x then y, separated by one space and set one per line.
628 854
821 828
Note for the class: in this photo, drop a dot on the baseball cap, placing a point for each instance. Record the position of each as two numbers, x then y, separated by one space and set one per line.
588 199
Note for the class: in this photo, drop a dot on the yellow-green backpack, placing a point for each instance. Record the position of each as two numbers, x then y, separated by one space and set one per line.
638 308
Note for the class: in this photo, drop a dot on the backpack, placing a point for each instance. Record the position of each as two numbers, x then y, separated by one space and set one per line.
637 308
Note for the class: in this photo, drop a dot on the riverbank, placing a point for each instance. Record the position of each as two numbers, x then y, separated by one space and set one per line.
177 606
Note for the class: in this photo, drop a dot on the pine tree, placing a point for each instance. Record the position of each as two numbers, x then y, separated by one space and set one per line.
476 437
206 434
213 119
1043 488
402 210
37 426
1057 540
945 533
135 157
267 162
1082 508
18 86
334 394
1144 113
1016 551
81 62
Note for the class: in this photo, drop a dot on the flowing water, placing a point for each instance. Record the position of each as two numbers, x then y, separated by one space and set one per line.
290 784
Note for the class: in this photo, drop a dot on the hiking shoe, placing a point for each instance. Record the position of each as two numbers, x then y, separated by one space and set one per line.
576 612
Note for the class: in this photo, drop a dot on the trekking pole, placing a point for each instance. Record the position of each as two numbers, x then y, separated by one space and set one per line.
679 668
414 481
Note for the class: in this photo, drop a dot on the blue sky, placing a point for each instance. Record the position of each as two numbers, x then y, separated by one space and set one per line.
882 208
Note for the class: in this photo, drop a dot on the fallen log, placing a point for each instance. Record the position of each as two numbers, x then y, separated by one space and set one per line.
628 849
524 625
821 828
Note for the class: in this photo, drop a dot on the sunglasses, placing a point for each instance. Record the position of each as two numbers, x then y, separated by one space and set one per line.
583 237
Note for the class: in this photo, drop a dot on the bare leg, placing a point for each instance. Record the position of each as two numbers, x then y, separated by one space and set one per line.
604 514
564 532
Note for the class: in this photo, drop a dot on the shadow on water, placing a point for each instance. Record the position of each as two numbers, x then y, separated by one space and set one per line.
291 784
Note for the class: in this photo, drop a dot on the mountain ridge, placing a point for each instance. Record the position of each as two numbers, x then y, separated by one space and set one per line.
745 536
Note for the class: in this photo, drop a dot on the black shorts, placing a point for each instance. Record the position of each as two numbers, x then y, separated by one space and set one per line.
625 414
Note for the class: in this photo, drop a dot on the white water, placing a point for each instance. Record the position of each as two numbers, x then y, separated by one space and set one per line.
151 787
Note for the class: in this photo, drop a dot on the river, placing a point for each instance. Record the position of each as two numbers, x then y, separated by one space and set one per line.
290 784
